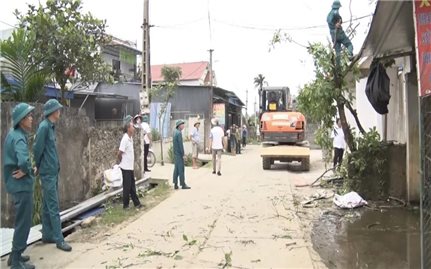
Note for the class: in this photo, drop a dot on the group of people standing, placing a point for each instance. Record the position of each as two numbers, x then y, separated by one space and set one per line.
216 144
237 138
19 177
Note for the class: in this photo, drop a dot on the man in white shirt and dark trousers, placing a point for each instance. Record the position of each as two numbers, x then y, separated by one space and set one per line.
142 122
126 158
216 145
339 144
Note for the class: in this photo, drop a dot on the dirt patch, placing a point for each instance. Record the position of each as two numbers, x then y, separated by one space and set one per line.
109 222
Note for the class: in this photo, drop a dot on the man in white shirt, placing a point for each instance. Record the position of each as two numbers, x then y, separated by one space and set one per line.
195 138
339 144
126 158
142 122
216 145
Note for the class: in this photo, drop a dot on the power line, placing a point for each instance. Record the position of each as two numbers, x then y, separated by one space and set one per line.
284 29
209 22
180 24
5 23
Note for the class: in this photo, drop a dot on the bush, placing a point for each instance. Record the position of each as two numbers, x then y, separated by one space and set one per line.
155 134
171 156
366 170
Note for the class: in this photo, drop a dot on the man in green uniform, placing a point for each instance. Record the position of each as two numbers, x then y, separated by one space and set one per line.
48 165
179 156
19 181
338 35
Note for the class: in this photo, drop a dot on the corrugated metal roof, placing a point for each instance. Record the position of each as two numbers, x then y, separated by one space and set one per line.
391 31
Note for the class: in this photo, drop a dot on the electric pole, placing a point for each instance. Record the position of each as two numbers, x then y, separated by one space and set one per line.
210 111
146 66
146 75
246 103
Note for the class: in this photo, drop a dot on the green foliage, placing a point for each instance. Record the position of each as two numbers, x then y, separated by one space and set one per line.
188 160
67 39
18 63
366 170
320 100
37 202
259 81
155 134
171 155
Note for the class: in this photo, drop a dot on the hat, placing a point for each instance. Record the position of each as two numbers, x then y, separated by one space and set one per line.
145 118
127 119
196 123
178 123
136 117
19 112
50 107
336 4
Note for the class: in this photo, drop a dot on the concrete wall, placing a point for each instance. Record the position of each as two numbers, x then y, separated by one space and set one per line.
396 128
413 145
84 152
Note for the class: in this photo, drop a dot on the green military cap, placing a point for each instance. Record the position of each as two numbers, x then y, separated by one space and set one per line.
178 123
19 112
50 107
127 119
336 4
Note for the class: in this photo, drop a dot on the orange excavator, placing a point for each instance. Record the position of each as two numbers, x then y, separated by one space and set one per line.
282 129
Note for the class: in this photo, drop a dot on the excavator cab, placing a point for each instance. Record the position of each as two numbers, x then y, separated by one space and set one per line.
274 99
279 123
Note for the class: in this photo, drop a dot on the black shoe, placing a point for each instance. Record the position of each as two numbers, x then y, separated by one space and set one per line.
147 170
176 187
213 172
139 206
64 246
218 173
22 259
185 187
23 265
126 207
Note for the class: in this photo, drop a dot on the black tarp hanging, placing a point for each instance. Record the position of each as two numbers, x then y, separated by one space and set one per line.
377 88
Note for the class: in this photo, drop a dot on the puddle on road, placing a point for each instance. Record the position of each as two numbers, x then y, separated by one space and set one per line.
363 238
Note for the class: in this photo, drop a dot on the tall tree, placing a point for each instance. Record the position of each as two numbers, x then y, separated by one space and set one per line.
328 95
164 92
27 77
259 81
67 41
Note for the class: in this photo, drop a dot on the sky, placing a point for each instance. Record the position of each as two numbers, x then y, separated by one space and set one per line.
239 32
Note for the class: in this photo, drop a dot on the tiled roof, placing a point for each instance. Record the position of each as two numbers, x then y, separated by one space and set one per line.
190 71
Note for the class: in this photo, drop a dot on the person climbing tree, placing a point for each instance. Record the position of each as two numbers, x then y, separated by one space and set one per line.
338 35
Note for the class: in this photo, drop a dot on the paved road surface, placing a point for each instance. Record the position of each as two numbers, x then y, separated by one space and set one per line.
244 217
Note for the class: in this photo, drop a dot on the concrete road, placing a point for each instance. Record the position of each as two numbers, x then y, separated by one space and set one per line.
242 219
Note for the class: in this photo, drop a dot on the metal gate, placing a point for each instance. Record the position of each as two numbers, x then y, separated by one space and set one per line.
426 182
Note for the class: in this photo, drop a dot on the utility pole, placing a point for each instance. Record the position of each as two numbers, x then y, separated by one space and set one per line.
210 111
146 74
146 67
246 103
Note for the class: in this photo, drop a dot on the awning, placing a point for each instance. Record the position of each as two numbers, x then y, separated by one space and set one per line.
391 32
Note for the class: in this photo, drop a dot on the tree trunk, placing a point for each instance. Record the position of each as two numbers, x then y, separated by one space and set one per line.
355 115
347 132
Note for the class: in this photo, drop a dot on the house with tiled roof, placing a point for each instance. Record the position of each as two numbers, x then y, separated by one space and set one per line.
193 74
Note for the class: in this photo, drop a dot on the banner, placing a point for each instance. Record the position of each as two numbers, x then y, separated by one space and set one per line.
219 113
423 40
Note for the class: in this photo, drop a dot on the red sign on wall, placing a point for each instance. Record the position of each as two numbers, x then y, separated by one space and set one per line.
423 39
